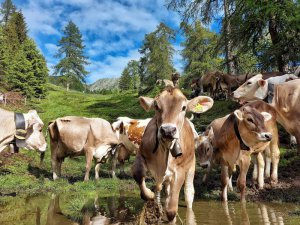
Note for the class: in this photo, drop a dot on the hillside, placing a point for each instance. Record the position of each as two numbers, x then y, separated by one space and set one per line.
105 84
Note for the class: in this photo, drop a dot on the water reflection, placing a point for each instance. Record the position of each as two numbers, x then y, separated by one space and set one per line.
121 209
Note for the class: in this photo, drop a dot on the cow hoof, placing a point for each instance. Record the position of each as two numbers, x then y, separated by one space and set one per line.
171 215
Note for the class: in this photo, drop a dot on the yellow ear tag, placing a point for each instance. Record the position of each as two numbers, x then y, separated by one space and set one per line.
198 108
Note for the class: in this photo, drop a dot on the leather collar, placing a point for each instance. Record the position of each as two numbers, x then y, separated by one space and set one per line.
243 146
20 130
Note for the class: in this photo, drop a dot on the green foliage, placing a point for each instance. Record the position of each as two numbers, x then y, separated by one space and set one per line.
130 78
6 10
125 82
157 53
199 51
71 48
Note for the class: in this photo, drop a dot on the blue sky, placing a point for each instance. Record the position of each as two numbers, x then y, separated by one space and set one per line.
113 31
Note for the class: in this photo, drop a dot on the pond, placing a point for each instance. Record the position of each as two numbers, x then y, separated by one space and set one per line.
65 209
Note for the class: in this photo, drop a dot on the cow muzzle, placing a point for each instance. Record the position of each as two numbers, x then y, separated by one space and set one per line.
265 136
168 131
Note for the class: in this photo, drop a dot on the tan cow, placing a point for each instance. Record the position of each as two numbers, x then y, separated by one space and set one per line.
168 147
242 130
262 167
164 83
31 133
72 136
285 99
129 132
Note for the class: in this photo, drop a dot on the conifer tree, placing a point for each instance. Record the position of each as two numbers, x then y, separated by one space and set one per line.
125 82
6 10
71 50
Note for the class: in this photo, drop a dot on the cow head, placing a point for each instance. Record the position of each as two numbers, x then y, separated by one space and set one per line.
35 138
252 125
170 109
205 149
253 89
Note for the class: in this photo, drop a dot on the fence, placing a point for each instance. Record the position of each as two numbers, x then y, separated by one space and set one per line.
12 98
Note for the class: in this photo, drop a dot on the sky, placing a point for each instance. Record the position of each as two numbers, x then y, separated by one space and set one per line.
113 30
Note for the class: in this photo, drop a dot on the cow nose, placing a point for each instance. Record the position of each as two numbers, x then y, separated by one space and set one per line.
268 136
168 131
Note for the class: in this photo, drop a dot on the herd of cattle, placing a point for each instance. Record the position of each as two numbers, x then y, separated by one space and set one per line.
167 144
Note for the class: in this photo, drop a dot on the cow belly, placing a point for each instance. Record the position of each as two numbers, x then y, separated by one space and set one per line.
130 146
101 151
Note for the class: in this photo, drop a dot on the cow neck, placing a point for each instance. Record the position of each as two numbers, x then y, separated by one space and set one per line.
21 133
243 146
270 93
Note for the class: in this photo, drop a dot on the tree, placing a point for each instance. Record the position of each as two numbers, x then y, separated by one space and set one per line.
208 10
199 50
71 48
38 67
125 82
157 51
21 27
7 9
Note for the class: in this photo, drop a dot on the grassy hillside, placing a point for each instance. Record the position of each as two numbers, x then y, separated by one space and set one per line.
105 84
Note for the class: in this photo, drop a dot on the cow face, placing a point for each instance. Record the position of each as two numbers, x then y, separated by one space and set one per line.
252 123
35 138
170 107
253 89
205 149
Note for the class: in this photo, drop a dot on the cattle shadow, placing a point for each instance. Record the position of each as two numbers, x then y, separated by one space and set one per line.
39 172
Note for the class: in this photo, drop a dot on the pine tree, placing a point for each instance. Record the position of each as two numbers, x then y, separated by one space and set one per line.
6 10
125 82
21 27
38 67
157 54
71 48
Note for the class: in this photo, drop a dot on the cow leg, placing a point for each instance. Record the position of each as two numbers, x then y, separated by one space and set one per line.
268 160
89 159
172 199
189 190
275 156
97 170
114 165
230 187
241 182
139 173
261 168
207 172
225 174
54 163
255 170
298 143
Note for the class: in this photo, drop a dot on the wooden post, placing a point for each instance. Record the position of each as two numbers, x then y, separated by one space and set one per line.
25 99
5 99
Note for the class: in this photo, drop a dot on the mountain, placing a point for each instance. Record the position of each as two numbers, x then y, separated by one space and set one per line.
105 84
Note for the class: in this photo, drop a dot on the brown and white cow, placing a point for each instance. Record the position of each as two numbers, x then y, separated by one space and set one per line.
285 100
34 138
168 147
233 135
72 136
129 132
164 83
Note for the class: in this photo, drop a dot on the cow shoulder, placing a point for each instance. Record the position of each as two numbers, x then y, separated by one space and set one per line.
149 140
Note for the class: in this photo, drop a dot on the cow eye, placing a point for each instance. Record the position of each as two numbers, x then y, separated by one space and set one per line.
250 120
248 83
183 108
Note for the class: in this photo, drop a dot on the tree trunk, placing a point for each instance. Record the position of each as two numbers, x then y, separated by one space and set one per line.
281 58
228 44
68 86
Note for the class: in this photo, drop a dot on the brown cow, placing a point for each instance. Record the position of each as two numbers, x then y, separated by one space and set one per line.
168 147
242 130
129 132
285 99
164 83
33 136
72 136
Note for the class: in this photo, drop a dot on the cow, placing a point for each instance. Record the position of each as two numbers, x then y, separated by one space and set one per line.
22 130
235 138
175 79
271 153
168 148
209 81
284 97
72 136
129 132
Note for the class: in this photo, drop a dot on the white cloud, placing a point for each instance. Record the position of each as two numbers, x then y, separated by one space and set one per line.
51 48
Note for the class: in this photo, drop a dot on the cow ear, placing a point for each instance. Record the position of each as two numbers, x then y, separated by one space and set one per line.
261 82
147 103
211 134
266 115
238 114
200 104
